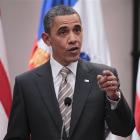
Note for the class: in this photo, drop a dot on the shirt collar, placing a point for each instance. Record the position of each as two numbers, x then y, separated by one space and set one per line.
56 67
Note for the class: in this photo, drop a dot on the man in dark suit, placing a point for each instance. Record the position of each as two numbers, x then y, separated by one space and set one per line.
93 91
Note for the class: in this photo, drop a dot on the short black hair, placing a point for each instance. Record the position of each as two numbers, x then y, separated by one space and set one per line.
58 10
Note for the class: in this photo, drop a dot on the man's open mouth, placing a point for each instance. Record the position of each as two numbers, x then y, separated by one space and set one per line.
72 49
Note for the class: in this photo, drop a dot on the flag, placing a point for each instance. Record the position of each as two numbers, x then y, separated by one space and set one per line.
5 91
136 132
95 46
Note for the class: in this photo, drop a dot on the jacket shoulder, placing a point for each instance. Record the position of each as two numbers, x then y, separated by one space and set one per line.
96 66
31 73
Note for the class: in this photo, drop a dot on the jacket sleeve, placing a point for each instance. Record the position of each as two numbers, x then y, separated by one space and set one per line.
120 121
18 124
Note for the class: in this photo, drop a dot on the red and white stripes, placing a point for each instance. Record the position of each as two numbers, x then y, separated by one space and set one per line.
5 90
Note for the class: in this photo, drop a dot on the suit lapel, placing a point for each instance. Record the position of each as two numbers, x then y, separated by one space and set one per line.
46 87
84 83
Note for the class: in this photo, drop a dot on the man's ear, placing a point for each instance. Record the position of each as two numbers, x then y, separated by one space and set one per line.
46 39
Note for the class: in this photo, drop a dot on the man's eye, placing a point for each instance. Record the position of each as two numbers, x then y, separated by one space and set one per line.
77 29
63 31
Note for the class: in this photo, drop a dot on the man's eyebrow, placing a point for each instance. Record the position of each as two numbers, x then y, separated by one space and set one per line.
78 26
62 28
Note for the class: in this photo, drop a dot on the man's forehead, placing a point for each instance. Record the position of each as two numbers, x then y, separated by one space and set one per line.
67 19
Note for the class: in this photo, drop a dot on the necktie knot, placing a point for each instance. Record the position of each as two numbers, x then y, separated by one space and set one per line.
64 72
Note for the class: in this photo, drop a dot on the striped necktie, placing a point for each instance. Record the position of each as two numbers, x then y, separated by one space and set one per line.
65 90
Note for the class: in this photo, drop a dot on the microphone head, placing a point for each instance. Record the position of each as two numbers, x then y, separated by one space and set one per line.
67 101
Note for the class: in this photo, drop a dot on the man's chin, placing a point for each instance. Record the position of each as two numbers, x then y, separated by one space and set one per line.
75 59
71 60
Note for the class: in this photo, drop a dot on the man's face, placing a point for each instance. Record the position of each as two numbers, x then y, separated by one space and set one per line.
66 38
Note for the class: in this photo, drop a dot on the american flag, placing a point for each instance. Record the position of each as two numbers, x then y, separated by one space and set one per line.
5 90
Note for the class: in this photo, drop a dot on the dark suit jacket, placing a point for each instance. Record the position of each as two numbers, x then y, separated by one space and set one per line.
35 110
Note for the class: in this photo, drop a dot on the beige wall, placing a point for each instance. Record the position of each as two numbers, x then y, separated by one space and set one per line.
20 23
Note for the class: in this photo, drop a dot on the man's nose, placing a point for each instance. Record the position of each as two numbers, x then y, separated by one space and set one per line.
72 38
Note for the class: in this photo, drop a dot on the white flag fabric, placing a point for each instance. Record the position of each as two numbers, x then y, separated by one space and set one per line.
5 91
136 132
95 43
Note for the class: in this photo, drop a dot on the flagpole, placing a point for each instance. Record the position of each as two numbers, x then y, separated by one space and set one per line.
136 45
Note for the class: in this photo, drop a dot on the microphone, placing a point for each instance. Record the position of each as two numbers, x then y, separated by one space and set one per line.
67 103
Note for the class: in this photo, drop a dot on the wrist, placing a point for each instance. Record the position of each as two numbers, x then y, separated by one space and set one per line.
115 97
